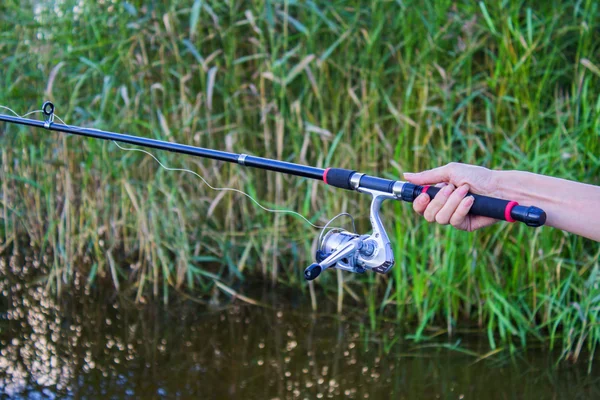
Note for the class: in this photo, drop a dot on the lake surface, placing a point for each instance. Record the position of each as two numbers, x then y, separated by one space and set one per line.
97 345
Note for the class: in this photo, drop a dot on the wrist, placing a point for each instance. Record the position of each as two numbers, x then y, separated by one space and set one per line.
511 185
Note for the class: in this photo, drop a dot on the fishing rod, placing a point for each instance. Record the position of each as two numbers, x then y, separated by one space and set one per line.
338 248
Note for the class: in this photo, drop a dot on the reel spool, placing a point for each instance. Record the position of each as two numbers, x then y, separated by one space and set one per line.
353 252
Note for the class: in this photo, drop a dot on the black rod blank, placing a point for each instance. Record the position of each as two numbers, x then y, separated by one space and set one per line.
247 160
486 206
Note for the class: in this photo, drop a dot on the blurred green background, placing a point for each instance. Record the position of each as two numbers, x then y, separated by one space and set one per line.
383 87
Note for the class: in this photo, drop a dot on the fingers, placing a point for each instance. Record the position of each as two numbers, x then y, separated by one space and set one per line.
459 217
440 174
450 207
438 202
421 203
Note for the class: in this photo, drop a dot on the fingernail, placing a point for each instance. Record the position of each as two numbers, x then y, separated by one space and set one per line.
464 190
422 198
447 190
409 173
469 200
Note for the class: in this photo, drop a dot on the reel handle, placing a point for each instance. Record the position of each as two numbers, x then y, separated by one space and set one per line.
312 271
492 207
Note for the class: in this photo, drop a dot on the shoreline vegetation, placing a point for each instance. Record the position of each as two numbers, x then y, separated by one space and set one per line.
380 87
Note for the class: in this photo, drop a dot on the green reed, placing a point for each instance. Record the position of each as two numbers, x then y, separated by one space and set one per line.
382 87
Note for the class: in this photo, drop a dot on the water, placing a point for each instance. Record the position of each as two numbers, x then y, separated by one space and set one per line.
101 346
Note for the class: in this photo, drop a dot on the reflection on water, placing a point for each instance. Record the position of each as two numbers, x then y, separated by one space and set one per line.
95 346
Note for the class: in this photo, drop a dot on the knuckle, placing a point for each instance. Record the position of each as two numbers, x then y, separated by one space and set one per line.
441 219
429 216
435 206
445 193
453 168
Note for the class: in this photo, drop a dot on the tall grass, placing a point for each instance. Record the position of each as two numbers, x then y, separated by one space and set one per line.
382 87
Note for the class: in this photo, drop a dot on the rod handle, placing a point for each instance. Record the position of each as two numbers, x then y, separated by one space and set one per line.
504 210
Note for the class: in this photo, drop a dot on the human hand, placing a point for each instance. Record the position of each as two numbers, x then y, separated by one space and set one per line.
451 205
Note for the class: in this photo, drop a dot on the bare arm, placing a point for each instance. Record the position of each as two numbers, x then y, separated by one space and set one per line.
570 206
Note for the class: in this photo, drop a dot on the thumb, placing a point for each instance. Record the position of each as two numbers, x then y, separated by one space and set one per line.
436 175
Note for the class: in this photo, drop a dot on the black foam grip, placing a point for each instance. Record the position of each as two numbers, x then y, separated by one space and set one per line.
338 177
484 205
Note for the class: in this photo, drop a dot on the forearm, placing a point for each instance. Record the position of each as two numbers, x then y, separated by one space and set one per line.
570 206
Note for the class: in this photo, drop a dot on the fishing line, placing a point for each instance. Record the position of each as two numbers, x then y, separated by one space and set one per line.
221 189
217 189
24 115
338 248
30 113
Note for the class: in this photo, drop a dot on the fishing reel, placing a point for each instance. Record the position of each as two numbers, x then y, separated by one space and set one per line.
353 252
339 248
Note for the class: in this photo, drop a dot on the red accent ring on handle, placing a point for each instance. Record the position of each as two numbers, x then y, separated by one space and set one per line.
325 175
508 209
425 189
